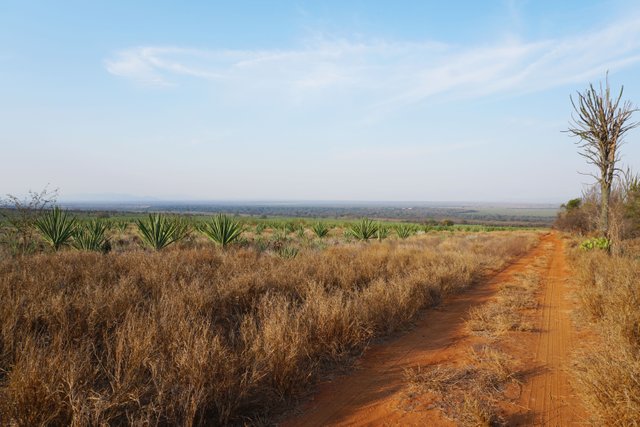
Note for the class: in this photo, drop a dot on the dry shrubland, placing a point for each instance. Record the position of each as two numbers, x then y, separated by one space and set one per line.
609 377
207 336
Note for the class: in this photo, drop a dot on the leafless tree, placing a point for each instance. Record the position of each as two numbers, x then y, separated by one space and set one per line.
601 121
20 213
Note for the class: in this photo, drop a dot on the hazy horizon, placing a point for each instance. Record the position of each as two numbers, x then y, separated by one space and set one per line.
127 198
300 100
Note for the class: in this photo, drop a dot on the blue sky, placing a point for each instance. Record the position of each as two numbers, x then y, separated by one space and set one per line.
306 100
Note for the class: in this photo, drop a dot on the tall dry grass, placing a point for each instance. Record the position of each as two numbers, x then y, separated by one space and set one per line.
204 336
607 372
471 390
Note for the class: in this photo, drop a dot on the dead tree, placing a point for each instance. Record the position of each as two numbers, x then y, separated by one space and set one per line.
20 215
601 122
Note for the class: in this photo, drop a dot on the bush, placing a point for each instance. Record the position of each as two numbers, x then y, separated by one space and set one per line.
57 227
287 252
320 229
222 230
159 231
364 230
92 236
596 243
404 231
382 233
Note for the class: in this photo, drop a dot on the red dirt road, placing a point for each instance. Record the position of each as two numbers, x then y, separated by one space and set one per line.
375 394
548 396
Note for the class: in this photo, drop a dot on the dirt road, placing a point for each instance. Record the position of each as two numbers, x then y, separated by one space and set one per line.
375 393
547 396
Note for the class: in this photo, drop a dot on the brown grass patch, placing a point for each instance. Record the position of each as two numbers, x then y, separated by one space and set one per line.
507 311
495 319
203 336
607 372
467 394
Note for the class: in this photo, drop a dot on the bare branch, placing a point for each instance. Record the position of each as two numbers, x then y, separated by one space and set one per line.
600 122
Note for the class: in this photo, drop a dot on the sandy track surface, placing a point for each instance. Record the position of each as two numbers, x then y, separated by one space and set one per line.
375 393
547 396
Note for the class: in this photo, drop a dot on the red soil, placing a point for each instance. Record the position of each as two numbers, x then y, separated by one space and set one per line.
375 394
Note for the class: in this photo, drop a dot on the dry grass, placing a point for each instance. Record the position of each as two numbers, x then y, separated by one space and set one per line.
470 394
607 373
492 320
467 394
520 295
203 336
507 312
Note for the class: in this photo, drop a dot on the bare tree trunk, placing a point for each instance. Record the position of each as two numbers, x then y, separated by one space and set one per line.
601 121
605 192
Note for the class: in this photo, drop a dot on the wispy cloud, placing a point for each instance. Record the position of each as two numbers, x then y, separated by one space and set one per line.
388 75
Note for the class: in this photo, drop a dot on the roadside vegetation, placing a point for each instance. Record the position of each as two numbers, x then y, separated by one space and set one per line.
605 254
609 294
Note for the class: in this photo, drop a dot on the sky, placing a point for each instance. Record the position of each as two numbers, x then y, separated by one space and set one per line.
306 100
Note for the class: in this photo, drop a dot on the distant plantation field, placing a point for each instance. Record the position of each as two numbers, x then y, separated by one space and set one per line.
418 212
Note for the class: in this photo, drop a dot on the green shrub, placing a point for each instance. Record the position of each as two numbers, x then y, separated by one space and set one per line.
159 231
365 229
403 231
222 229
92 236
288 227
287 252
57 227
382 233
596 243
320 229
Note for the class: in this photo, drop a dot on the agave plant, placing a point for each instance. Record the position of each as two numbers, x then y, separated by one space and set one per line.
279 235
287 252
92 236
122 226
160 231
288 227
57 227
403 231
222 229
320 229
260 227
382 233
364 230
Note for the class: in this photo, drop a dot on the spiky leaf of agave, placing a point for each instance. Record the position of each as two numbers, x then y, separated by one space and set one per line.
288 252
160 231
404 231
222 229
320 229
382 233
91 236
57 227
364 230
